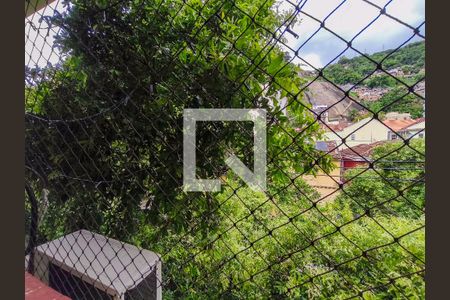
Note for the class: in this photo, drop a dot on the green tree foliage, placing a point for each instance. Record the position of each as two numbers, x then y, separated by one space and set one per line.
133 67
380 80
410 59
293 260
354 115
398 99
396 183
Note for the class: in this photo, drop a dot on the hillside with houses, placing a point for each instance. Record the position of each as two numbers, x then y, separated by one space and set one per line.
380 107
373 85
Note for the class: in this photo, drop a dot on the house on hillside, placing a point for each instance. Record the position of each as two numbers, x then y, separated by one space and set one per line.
336 126
365 131
398 128
414 130
326 184
357 156
369 130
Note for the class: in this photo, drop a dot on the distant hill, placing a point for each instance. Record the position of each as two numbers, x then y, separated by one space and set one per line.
320 93
407 62
379 92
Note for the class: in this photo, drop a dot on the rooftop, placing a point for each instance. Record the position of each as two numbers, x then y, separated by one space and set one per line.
416 121
360 152
336 127
329 147
397 125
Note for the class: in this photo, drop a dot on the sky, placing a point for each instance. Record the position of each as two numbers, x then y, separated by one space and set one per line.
38 34
321 47
346 21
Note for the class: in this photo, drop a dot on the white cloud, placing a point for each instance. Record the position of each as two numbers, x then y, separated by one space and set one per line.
313 59
347 21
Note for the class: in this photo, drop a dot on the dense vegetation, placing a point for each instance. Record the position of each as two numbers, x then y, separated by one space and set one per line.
398 173
147 64
410 59
136 72
287 256
370 213
400 100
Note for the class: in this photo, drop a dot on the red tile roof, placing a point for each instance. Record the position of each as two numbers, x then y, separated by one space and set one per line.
397 125
336 127
360 152
416 121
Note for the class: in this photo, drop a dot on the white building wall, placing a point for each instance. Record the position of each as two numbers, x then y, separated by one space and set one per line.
416 130
365 131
